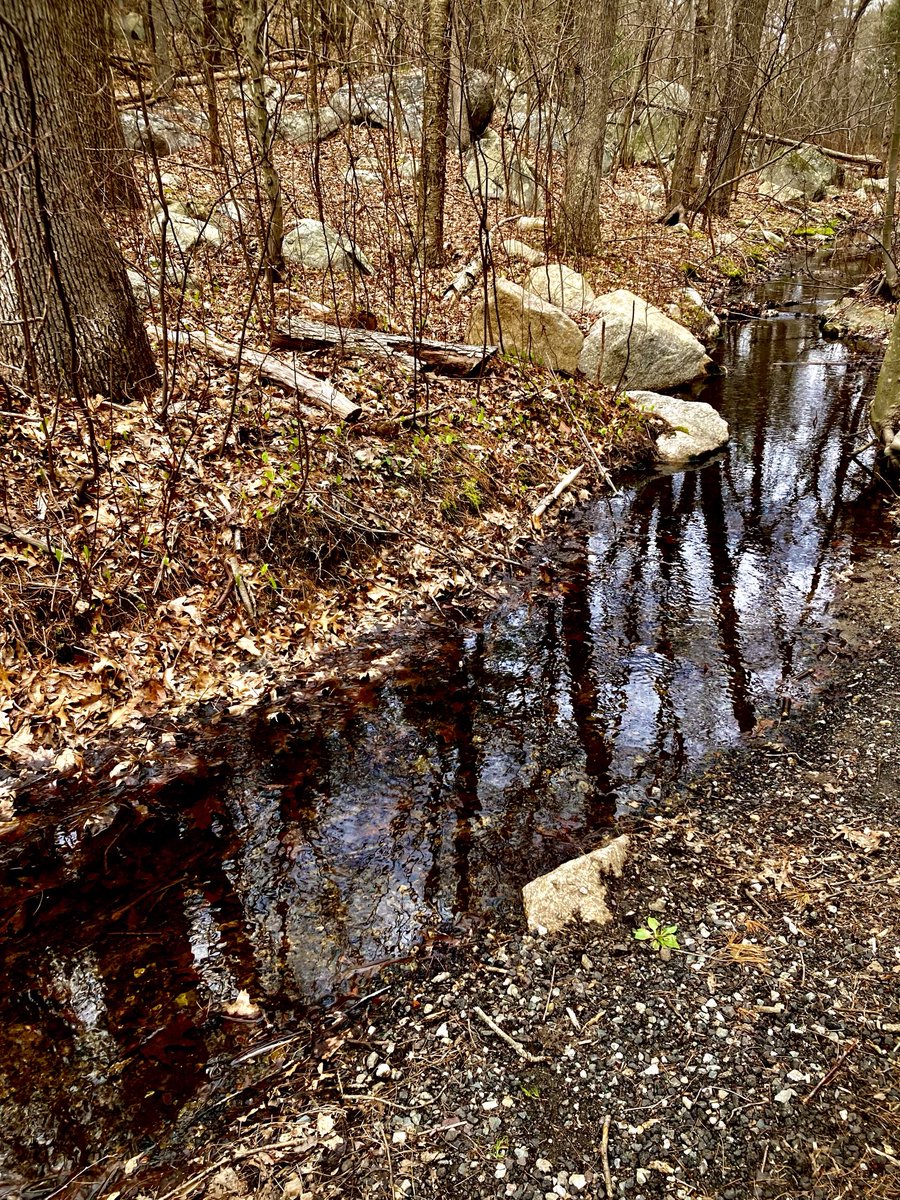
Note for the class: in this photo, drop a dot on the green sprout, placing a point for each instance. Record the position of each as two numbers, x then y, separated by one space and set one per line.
660 937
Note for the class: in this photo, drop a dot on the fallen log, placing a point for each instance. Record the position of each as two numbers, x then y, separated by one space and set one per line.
857 160
319 391
447 358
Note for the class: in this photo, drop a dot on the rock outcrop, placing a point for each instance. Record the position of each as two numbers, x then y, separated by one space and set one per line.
526 327
633 344
689 310
495 171
694 430
317 247
310 125
802 174
575 890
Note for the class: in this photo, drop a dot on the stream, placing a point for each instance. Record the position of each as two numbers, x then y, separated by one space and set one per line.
663 625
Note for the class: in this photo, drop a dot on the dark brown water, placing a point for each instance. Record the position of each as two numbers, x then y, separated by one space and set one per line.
664 625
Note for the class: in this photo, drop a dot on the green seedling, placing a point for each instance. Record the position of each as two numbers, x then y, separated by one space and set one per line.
660 937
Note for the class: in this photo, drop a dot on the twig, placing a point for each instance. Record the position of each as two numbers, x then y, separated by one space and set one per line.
829 1075
188 1186
604 1155
504 1036
20 536
549 993
566 481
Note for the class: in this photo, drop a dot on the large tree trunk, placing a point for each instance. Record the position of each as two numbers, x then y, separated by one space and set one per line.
687 155
595 33
68 319
727 146
86 59
432 184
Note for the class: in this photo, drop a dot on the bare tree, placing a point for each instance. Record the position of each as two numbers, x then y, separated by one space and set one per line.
727 146
595 37
66 308
254 28
434 132
687 154
892 29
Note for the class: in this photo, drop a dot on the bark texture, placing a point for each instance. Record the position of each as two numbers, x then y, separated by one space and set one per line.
68 318
264 134
595 34
727 146
434 131
687 154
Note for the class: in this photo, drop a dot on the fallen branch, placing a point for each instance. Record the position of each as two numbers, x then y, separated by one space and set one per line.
858 160
565 482
504 1036
320 391
449 358
26 538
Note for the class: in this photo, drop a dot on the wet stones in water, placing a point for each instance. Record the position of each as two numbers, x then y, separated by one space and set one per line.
694 430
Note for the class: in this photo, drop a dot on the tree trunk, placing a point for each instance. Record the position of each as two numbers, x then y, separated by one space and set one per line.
595 31
687 154
211 59
160 47
92 96
887 229
432 184
727 146
68 318
264 134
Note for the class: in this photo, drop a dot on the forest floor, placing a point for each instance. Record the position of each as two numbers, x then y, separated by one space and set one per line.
234 539
757 1058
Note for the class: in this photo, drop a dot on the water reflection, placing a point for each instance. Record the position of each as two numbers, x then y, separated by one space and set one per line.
677 616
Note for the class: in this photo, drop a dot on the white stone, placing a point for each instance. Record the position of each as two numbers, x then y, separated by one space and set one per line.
574 889
560 285
697 429
526 327
317 247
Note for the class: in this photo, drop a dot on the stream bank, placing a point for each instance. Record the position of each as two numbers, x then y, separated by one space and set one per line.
297 850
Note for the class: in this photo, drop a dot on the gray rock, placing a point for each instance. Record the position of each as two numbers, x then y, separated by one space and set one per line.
560 285
358 177
183 232
480 101
131 27
384 101
155 133
633 344
804 173
689 310
495 171
317 247
313 125
526 327
696 431
574 890
240 90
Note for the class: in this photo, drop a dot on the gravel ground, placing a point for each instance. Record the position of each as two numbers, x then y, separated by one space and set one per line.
757 1059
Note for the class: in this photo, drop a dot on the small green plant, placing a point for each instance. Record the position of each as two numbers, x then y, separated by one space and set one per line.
660 937
500 1147
531 1090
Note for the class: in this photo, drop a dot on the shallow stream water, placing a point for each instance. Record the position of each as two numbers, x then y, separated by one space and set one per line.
664 624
